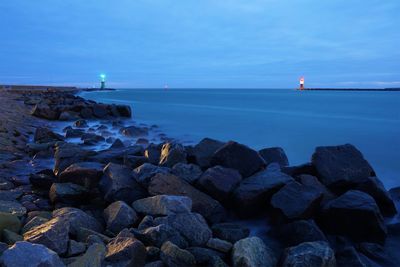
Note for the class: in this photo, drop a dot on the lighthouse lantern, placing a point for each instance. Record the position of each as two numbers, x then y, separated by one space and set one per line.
301 83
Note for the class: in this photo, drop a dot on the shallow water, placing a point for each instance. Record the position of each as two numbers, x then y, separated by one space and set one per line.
296 121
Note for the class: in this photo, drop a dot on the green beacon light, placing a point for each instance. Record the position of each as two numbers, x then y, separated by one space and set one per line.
102 81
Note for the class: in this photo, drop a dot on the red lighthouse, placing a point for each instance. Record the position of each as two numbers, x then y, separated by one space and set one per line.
302 83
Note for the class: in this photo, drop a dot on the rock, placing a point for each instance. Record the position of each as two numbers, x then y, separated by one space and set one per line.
28 254
118 216
81 124
117 144
348 257
68 116
204 150
134 131
45 112
10 195
251 252
313 182
274 154
167 184
296 201
161 205
100 110
230 232
53 234
12 207
219 245
44 135
128 250
146 171
42 180
33 223
171 154
91 139
205 256
158 235
219 182
191 226
10 237
117 155
173 256
301 231
152 254
147 221
124 111
356 215
67 154
188 172
93 257
339 167
77 219
309 254
134 161
75 248
253 193
377 253
9 221
153 153
86 174
74 133
155 264
68 193
118 183
240 157
90 237
3 247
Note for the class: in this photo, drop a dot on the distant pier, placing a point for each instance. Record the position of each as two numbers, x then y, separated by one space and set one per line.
353 89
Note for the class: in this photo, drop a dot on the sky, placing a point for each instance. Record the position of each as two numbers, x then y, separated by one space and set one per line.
201 43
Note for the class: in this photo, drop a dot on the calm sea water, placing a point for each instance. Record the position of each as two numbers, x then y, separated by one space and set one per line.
296 121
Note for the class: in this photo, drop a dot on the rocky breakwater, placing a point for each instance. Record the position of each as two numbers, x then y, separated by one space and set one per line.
169 204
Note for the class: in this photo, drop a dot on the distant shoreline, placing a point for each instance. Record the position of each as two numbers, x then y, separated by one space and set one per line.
352 89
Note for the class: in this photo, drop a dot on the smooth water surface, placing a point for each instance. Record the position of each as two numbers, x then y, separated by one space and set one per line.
297 121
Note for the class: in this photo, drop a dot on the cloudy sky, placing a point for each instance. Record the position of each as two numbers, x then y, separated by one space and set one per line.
207 43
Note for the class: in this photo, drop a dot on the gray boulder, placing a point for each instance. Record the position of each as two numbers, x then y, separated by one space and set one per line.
12 207
219 245
158 235
127 251
230 231
153 153
252 252
145 172
274 154
171 154
93 257
45 135
134 131
240 157
173 256
86 174
188 172
162 205
28 254
312 254
68 193
300 231
118 216
204 150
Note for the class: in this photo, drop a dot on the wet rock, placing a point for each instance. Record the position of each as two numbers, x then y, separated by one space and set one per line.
74 133
161 205
296 201
173 256
167 184
81 124
118 216
313 182
67 154
42 180
171 154
309 254
191 226
126 250
219 245
124 110
117 155
100 110
10 195
348 257
44 135
33 223
12 207
240 157
274 154
253 193
28 254
77 219
146 171
91 139
93 257
53 234
204 150
134 131
152 254
10 237
68 193
301 231
339 167
219 182
90 237
147 221
356 215
251 252
86 174
45 112
134 161
119 183
153 153
75 248
205 256
188 172
68 116
117 144
158 235
230 231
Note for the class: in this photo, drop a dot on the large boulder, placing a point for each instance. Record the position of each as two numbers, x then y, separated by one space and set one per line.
173 256
312 254
68 193
300 231
153 153
45 112
126 250
124 110
168 184
219 182
188 172
339 167
204 150
240 157
356 215
13 207
313 182
44 135
274 154
230 231
191 226
158 235
77 219
251 252
134 131
86 174
348 257
162 205
93 257
145 172
253 193
207 257
118 183
296 201
118 216
32 255
9 221
171 154
67 154
52 234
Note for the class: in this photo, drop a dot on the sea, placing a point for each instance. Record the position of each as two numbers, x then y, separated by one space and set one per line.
297 121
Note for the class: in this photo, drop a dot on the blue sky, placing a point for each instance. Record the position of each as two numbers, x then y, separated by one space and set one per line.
207 43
